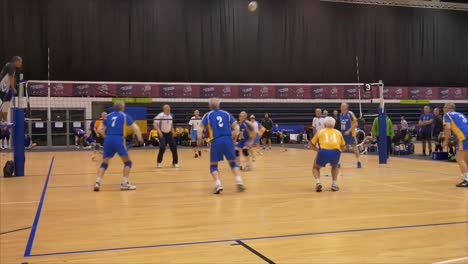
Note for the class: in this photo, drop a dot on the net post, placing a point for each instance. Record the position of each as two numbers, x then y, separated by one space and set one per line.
18 133
383 147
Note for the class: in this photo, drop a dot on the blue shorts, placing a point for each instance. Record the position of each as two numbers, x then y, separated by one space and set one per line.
242 144
257 139
349 139
114 144
194 135
462 145
325 156
222 147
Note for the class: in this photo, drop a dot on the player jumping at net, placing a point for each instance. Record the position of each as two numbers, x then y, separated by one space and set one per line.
113 130
348 129
222 129
458 124
329 143
246 139
195 126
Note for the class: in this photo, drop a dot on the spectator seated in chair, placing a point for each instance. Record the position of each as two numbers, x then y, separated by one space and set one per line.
28 143
153 138
79 137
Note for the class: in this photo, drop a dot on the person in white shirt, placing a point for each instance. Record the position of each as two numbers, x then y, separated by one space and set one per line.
318 123
194 123
164 124
403 128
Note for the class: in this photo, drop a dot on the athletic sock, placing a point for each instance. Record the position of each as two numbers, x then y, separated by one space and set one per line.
98 179
218 182
239 179
125 180
334 183
317 181
465 176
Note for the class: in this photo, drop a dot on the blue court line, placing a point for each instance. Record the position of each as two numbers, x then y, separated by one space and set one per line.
246 239
29 245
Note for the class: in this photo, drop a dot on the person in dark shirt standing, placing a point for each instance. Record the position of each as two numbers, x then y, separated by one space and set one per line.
336 116
8 85
267 123
426 121
438 128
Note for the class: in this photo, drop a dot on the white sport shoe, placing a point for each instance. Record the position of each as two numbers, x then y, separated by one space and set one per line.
218 189
127 187
159 165
175 165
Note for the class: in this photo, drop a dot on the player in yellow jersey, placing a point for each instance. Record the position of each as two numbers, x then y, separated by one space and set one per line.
457 123
329 143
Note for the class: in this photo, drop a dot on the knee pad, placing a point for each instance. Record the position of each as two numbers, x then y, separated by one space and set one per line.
213 168
128 164
237 153
233 164
245 152
104 166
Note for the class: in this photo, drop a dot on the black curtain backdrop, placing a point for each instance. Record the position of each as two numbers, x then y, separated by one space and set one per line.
220 41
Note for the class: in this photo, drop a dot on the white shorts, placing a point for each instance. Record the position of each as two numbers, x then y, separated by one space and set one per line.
5 106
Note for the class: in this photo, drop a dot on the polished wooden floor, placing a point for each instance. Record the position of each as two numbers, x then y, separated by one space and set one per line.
407 211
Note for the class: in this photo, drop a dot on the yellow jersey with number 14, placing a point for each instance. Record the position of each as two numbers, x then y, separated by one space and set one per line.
329 138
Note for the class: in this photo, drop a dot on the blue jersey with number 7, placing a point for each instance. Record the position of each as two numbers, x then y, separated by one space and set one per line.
116 122
218 123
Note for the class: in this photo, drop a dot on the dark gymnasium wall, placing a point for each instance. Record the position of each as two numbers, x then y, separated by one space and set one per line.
219 41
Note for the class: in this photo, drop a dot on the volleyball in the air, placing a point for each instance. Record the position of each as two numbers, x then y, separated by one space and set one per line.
253 6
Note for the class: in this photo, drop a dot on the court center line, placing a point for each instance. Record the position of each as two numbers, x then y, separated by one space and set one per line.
247 239
260 255
27 251
451 260
15 230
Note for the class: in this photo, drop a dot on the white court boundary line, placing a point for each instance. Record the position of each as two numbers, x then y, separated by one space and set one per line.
25 202
451 260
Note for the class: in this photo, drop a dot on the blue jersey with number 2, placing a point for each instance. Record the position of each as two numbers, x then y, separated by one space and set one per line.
218 123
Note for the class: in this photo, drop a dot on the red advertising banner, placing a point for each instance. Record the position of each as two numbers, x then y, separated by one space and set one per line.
221 91
352 92
423 93
453 93
293 92
37 89
137 90
179 91
256 92
103 90
327 92
60 89
395 92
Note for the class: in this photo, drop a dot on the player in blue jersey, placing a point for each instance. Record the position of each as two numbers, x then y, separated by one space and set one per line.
458 124
246 139
348 124
114 131
426 121
222 128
